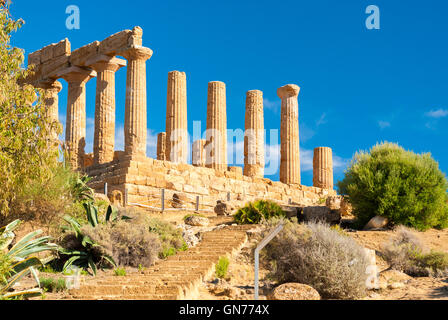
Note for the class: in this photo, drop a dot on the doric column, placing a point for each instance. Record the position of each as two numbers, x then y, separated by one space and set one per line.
75 128
254 135
289 134
135 129
176 118
198 153
216 145
51 102
161 146
104 137
323 168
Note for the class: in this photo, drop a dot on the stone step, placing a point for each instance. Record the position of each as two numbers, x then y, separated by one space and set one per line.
95 290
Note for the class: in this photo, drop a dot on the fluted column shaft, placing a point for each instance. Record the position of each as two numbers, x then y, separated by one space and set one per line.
104 136
254 135
176 118
323 168
75 128
289 135
198 153
135 129
161 146
51 102
216 145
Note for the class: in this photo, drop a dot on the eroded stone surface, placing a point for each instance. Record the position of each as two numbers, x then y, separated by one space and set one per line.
289 134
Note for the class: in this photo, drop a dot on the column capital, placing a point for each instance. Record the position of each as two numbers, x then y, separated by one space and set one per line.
102 63
77 74
216 84
136 53
288 91
49 85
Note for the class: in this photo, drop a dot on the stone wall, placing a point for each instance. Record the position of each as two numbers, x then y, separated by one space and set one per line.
145 177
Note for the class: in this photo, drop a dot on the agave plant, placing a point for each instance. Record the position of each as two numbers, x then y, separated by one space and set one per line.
81 191
85 254
21 259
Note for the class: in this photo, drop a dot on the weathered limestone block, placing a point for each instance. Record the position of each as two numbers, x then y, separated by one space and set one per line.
323 168
62 48
198 153
179 200
222 208
120 41
176 118
254 135
135 128
376 223
75 133
334 203
34 58
116 198
104 136
83 55
289 135
197 221
216 145
52 69
161 146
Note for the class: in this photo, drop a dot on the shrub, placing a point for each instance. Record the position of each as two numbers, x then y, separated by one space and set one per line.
221 267
405 187
314 254
120 272
26 152
53 285
406 253
255 212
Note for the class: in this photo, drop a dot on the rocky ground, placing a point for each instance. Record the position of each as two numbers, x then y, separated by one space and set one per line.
239 282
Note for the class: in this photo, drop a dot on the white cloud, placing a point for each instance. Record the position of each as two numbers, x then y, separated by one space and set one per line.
440 113
274 106
384 124
151 144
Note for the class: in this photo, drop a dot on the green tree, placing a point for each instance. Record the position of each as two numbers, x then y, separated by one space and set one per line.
405 187
26 151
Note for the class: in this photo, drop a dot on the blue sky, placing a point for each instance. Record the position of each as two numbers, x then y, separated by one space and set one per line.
358 86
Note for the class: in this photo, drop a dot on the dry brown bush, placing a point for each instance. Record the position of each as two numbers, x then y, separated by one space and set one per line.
314 254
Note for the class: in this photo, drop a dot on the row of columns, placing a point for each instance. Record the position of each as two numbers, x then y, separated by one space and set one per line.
104 68
172 145
212 152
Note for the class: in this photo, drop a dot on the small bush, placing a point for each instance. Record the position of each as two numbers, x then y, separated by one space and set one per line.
407 188
121 272
255 212
127 243
406 253
221 267
53 285
314 254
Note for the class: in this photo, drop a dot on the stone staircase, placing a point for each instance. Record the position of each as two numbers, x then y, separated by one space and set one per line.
177 278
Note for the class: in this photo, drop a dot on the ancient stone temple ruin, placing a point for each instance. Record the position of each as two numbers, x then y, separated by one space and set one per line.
134 178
